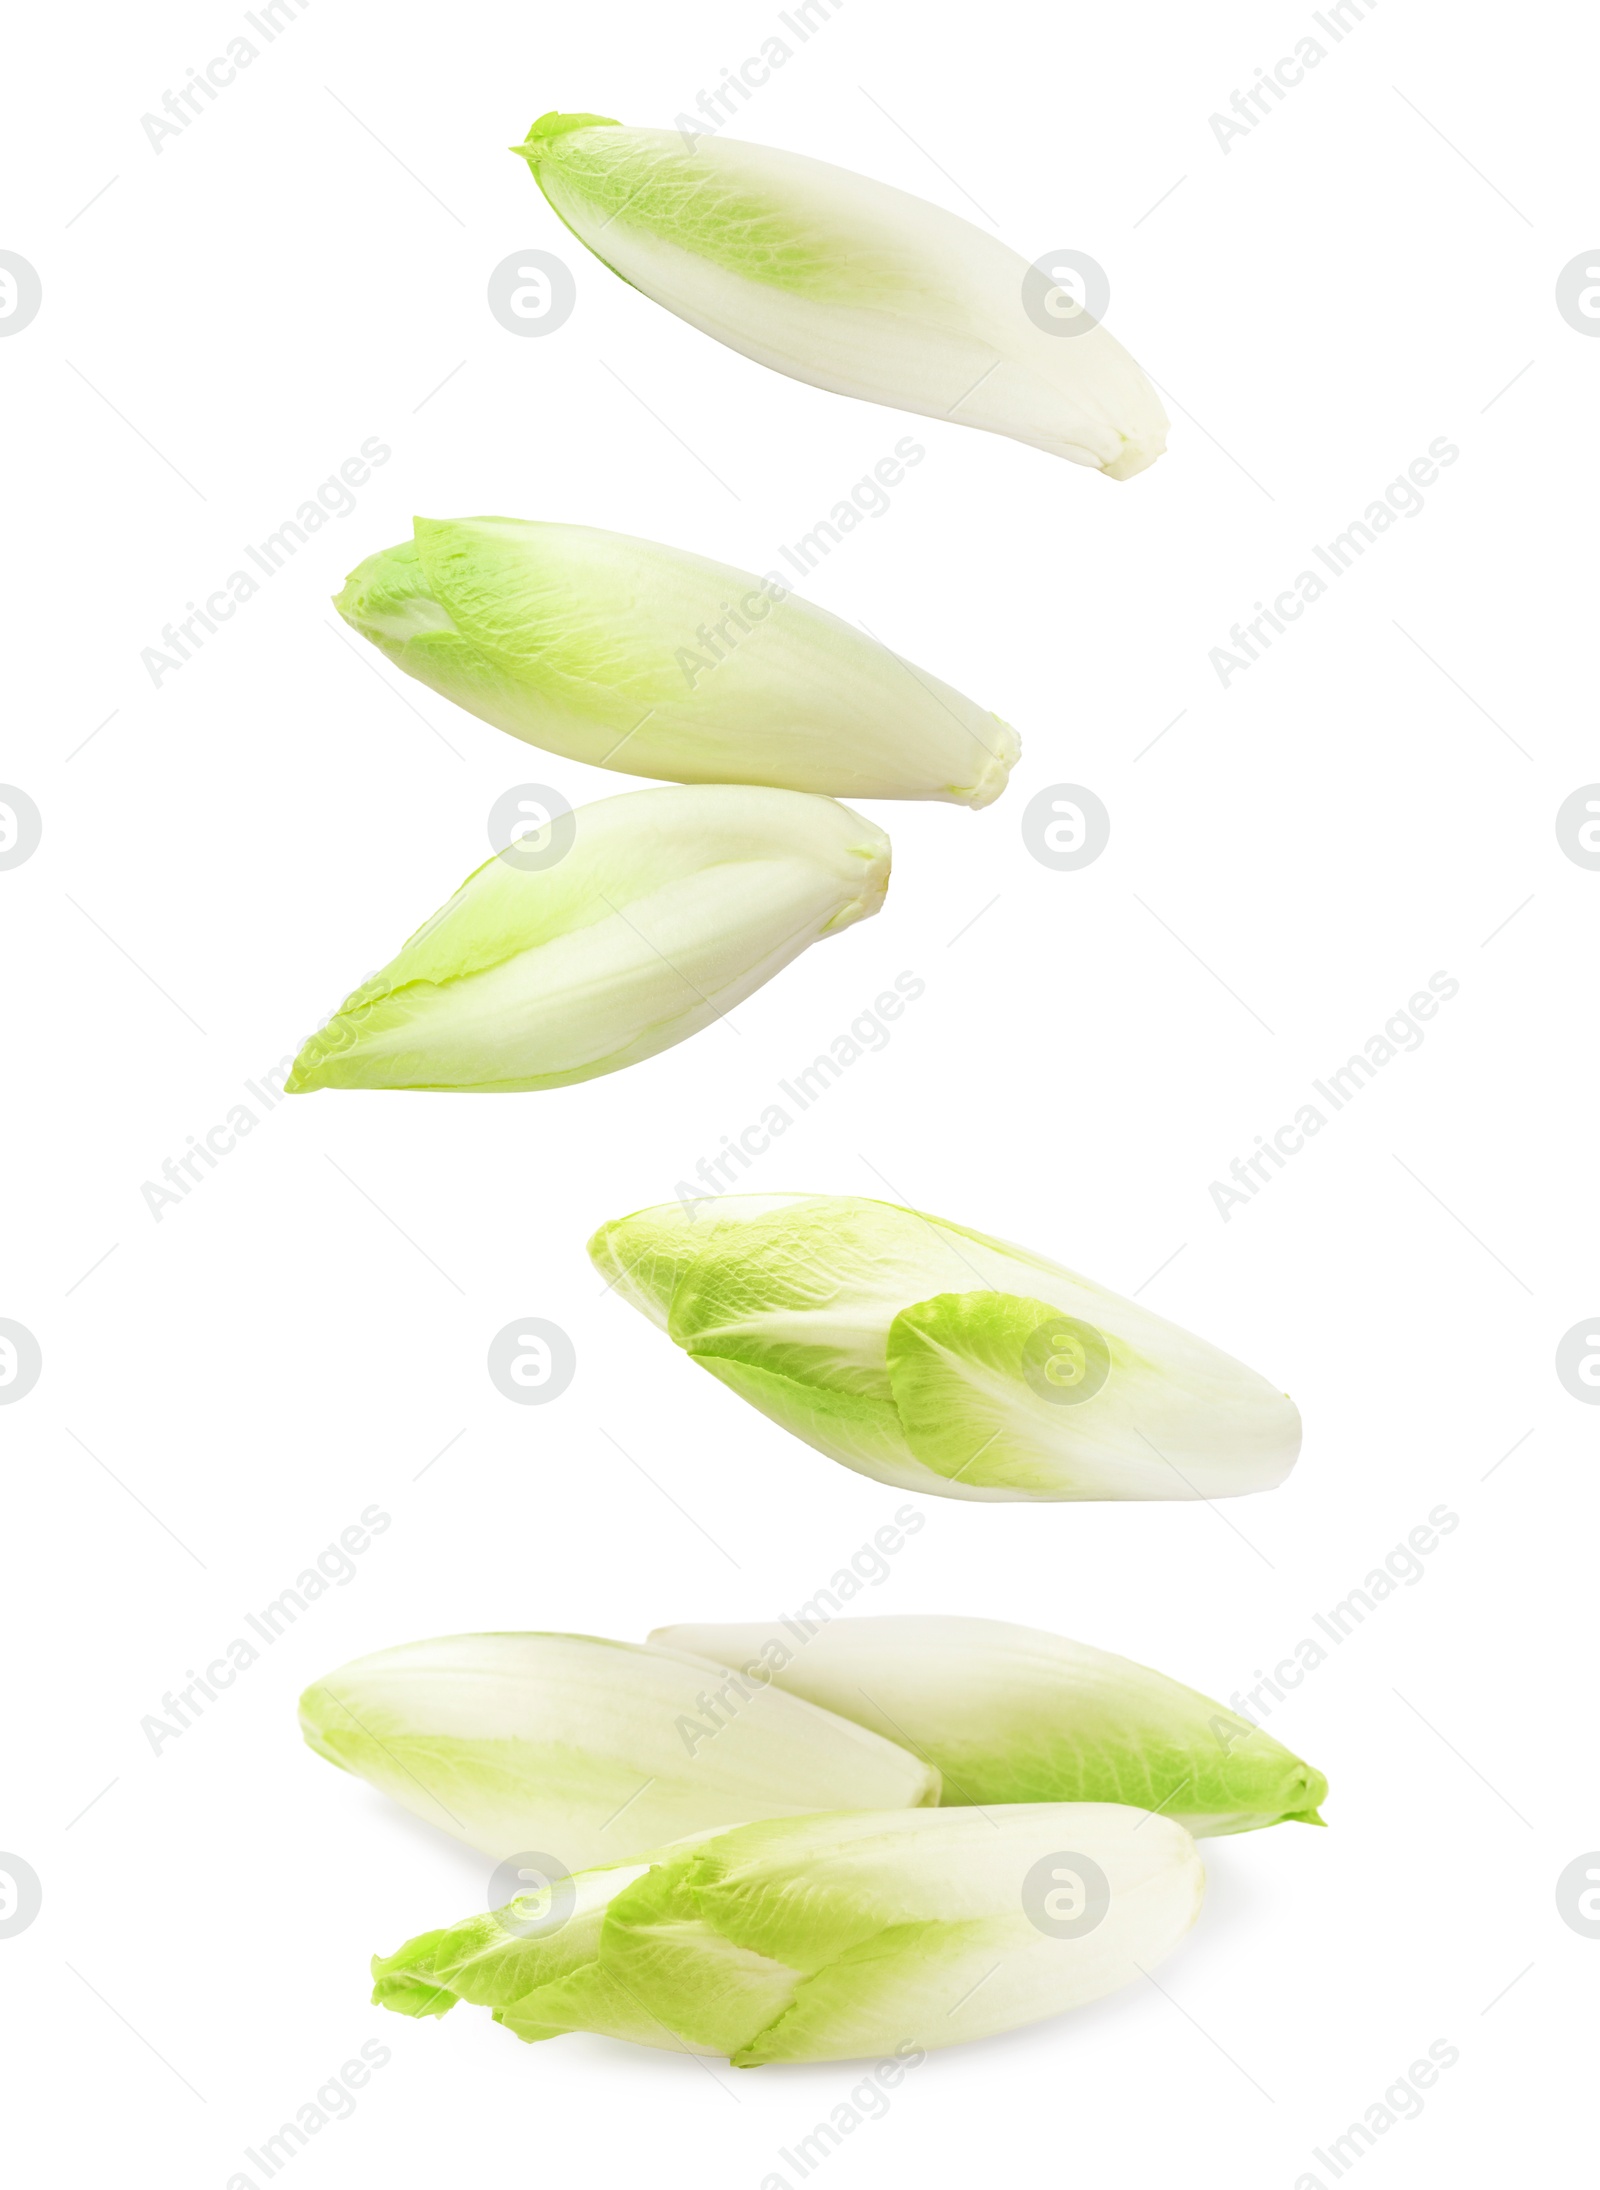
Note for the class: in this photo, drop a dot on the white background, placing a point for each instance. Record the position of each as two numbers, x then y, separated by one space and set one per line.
304 267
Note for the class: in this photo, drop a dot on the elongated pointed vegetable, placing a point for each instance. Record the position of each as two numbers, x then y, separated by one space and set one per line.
848 284
832 1938
1011 1714
938 1359
668 908
628 655
589 1751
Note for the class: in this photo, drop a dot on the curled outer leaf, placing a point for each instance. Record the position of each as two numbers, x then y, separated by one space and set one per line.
832 1938
938 1359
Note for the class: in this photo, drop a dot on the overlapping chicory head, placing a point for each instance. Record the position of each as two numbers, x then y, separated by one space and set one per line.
666 909
1011 1714
938 1359
848 284
830 1938
638 657
587 1751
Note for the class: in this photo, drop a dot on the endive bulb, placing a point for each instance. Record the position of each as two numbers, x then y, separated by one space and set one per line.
667 908
831 1938
589 1751
937 1359
629 655
845 283
1010 1714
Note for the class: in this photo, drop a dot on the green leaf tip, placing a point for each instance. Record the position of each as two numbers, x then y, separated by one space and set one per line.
552 125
